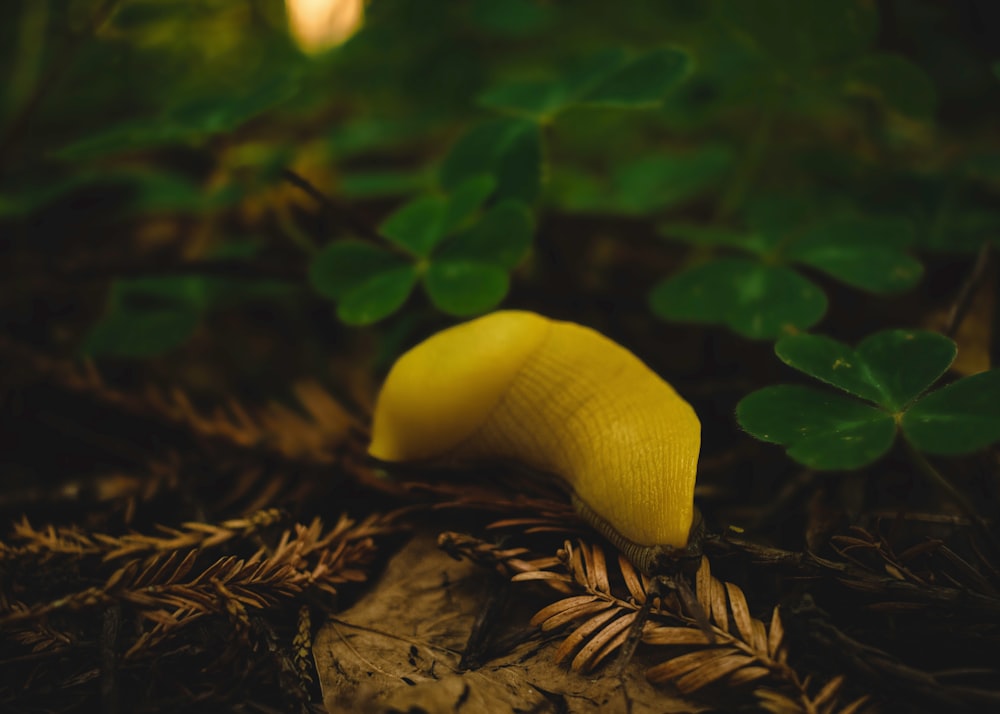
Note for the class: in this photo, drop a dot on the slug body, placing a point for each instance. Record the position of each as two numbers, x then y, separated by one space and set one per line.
560 398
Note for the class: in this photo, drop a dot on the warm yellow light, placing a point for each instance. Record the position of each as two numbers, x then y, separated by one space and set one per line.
318 25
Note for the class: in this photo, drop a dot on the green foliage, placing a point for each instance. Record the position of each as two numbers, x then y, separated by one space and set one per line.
495 117
756 300
509 150
460 250
146 316
607 79
645 185
194 119
891 370
764 297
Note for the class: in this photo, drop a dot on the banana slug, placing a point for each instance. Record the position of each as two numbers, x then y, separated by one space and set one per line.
562 399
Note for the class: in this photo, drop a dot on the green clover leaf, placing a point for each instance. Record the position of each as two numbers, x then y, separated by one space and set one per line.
460 252
866 252
892 371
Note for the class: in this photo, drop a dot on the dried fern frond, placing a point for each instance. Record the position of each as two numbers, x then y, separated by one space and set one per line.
72 541
600 613
504 560
174 583
314 435
746 650
602 605
825 701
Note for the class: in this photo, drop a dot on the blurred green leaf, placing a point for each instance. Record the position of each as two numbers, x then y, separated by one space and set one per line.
516 18
465 287
501 237
755 300
797 35
343 266
377 297
466 199
147 316
957 419
867 253
822 430
696 234
778 214
417 225
539 100
370 184
367 134
643 81
659 181
134 333
25 200
510 150
192 120
899 83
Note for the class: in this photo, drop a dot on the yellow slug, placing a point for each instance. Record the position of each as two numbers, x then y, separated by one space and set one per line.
562 399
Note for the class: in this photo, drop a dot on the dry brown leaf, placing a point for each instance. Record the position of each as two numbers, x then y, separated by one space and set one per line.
777 703
682 664
741 612
775 635
748 674
635 585
718 669
583 633
827 694
587 658
674 636
592 606
855 706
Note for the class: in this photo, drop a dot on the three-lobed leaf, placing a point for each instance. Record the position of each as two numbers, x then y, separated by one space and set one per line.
753 299
893 369
463 274
765 297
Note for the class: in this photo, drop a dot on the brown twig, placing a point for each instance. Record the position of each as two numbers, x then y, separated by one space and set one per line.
335 207
965 295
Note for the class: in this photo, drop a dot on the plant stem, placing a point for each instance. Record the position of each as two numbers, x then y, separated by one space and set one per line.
959 498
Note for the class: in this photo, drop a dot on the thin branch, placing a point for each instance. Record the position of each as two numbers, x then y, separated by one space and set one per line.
964 299
337 208
959 498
